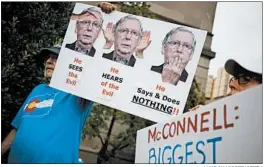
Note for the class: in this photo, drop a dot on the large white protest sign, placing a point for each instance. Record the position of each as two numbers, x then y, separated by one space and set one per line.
146 69
226 131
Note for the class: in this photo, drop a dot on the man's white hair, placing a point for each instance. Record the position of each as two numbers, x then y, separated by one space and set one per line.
94 10
130 17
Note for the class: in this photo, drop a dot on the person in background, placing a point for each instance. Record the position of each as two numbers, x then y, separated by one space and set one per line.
243 78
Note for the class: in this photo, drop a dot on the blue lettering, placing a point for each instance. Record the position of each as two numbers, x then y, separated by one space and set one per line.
167 147
188 153
173 152
200 151
159 155
152 155
213 141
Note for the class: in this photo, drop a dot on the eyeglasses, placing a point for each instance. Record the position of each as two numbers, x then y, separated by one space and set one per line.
242 79
185 46
124 32
87 23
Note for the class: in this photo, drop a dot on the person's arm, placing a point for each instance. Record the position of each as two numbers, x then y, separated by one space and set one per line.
6 144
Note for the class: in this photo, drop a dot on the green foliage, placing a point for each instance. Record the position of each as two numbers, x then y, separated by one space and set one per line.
97 121
195 97
26 28
137 8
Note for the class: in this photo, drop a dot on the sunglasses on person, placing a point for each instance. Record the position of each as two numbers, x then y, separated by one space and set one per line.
243 79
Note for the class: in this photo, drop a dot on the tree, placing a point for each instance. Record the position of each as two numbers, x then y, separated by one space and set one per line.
195 97
26 28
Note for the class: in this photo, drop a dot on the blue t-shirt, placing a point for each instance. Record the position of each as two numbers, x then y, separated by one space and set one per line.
49 127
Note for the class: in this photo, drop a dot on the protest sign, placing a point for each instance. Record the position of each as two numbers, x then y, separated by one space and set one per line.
138 65
226 131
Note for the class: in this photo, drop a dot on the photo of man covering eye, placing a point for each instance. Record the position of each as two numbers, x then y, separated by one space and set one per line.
88 27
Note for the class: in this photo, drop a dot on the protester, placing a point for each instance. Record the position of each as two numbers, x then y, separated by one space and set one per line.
48 126
243 78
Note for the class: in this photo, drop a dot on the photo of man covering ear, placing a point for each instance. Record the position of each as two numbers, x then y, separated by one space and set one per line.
128 33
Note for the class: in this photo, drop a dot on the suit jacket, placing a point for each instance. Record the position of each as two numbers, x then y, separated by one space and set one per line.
159 69
72 47
110 56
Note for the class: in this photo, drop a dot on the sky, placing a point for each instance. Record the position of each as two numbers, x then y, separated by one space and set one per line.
237 34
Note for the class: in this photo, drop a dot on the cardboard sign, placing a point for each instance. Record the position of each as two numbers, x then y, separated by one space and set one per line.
226 131
138 65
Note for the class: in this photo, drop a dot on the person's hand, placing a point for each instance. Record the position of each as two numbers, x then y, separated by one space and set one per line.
171 72
144 43
107 7
80 16
195 108
109 35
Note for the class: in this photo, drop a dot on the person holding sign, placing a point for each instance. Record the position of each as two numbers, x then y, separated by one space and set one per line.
48 126
88 27
128 32
177 47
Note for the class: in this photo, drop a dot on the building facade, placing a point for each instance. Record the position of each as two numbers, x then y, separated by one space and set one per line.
209 87
218 87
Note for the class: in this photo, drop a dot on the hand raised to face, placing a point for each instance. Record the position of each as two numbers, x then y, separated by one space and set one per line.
109 35
144 43
172 71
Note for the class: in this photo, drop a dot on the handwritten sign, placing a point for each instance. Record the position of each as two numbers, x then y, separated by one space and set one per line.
136 65
226 131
